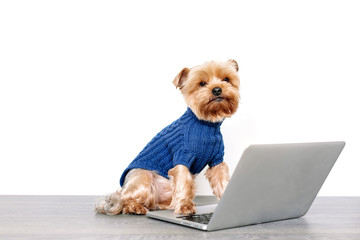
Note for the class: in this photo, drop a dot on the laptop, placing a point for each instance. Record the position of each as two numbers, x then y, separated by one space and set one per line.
271 182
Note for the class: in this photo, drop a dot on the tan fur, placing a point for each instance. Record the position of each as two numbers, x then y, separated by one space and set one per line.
181 77
218 177
198 98
183 190
145 190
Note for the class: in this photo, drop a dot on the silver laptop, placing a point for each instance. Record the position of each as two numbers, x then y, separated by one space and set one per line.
271 182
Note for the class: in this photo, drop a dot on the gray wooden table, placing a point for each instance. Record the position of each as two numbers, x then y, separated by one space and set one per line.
72 217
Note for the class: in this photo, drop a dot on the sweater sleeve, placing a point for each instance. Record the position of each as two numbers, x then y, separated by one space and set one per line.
219 158
183 157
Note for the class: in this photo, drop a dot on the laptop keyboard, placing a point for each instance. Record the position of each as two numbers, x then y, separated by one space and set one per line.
200 218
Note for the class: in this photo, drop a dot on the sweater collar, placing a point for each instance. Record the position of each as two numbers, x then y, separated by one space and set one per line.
211 124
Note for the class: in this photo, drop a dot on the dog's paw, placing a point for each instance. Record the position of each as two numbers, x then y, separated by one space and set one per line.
133 207
218 192
186 208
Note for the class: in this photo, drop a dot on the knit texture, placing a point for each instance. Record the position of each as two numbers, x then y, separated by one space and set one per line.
187 141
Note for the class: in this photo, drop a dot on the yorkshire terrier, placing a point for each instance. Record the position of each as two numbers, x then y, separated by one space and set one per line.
162 175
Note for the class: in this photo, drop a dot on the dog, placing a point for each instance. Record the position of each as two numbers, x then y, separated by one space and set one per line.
163 175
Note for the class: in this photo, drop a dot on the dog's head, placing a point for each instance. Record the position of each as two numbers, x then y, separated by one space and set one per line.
211 90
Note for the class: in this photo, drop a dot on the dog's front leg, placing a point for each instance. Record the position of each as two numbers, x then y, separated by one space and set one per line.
183 190
218 177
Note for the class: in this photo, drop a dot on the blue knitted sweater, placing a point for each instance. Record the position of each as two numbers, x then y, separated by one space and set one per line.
187 141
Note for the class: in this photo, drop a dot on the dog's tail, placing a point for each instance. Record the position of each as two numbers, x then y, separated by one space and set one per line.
111 204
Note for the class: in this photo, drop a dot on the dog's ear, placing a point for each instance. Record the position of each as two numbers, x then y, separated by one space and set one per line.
181 78
234 64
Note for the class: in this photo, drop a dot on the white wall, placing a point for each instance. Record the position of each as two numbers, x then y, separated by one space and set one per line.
84 85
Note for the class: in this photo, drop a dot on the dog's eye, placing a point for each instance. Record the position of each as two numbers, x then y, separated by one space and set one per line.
226 80
202 84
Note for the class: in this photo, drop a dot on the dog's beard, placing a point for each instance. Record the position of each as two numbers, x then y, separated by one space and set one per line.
218 109
215 109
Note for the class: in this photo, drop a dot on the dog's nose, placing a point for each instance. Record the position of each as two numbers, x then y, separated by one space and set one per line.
216 91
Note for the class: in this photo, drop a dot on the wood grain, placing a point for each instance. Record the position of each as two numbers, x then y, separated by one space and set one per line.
73 217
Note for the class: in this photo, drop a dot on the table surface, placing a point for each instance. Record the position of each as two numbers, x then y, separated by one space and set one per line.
73 217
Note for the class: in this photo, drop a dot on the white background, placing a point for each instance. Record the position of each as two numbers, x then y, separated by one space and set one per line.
84 85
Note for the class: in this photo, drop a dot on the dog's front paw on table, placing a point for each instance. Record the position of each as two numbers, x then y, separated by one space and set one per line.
186 208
